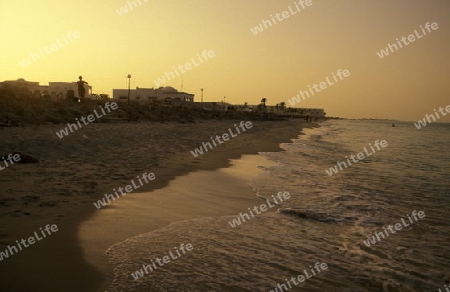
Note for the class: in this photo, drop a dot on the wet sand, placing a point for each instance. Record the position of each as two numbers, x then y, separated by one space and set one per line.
198 194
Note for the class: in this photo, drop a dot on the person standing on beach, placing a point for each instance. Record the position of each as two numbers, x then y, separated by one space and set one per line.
81 89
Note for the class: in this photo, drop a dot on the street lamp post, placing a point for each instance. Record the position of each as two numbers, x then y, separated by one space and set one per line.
129 79
202 96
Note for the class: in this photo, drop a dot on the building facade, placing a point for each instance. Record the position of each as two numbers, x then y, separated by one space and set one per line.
59 89
163 95
56 90
23 86
315 113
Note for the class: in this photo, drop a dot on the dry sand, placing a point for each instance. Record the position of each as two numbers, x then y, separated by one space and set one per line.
79 169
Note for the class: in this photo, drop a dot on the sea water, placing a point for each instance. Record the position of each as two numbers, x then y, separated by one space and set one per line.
327 219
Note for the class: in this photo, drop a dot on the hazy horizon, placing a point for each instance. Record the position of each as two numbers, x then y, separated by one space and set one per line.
303 49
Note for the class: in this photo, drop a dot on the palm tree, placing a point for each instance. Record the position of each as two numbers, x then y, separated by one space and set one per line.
263 101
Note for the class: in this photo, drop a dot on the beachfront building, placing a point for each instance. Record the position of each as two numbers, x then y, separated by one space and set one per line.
281 109
212 105
314 113
23 86
55 90
162 95
59 90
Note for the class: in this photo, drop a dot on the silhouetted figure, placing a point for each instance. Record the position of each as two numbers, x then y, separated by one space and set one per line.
81 89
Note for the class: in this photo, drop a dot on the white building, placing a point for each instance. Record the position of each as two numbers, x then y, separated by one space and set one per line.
57 90
162 95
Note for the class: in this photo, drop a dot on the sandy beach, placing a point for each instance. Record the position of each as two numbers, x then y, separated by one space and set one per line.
76 171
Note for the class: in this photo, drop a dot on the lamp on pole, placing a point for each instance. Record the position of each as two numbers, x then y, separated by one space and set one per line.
129 79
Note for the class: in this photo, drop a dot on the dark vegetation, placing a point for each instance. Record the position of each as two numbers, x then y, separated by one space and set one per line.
17 109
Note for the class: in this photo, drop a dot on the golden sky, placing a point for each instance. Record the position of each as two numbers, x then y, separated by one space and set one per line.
301 50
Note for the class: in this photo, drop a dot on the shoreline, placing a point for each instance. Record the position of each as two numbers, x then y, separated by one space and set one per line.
63 186
194 195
